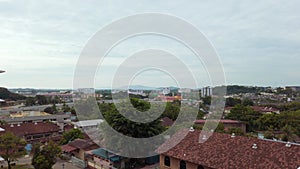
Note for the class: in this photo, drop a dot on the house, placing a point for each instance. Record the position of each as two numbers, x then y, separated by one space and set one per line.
75 151
77 147
101 159
225 151
227 123
34 132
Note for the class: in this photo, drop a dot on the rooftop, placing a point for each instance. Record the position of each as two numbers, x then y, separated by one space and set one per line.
86 123
83 144
29 128
224 151
221 121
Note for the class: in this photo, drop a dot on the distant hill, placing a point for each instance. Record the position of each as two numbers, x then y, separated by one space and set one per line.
7 95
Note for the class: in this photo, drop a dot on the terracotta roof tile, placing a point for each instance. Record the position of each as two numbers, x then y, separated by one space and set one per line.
30 128
221 151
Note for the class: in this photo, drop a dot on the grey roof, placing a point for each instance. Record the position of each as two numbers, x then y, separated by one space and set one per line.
34 118
87 123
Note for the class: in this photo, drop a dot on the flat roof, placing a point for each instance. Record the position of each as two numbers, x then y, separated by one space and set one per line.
86 123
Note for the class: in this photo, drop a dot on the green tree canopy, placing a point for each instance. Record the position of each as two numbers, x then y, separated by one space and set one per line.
245 114
11 147
71 135
44 157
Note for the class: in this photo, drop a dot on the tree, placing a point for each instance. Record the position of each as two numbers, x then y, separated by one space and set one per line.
11 147
30 101
207 100
45 156
140 105
172 110
236 131
42 100
289 133
247 102
66 108
232 102
71 135
245 114
48 110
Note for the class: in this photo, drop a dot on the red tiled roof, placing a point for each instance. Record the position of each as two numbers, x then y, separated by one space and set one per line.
30 128
264 109
83 144
221 151
67 148
221 121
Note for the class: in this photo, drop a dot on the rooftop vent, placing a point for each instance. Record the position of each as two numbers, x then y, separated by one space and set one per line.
232 135
19 125
11 125
288 144
35 123
184 155
254 146
192 129
204 137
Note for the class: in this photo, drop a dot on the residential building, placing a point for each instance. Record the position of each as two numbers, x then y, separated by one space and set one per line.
77 147
225 151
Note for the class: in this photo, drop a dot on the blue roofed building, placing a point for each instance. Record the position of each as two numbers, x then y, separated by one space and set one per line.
104 159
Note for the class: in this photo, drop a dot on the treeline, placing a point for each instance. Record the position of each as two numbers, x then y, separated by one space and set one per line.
235 89
287 123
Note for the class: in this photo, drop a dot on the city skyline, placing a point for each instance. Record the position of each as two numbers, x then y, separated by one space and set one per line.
40 46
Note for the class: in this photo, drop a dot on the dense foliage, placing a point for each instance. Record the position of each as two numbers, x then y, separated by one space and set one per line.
45 156
71 135
11 147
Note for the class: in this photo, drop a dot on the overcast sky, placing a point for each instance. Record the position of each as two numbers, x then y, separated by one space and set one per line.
258 42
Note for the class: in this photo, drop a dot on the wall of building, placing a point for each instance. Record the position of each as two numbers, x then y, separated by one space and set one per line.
175 164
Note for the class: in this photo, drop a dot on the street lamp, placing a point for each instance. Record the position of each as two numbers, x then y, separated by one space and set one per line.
2 71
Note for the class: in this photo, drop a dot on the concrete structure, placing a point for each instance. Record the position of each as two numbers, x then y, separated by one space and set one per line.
65 118
88 124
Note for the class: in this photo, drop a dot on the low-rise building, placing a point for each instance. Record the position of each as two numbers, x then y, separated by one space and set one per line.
104 159
34 132
225 151
227 123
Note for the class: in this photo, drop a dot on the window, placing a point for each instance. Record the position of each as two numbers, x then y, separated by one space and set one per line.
182 165
200 167
167 161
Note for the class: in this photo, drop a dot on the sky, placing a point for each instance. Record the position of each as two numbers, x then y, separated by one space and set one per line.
258 42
